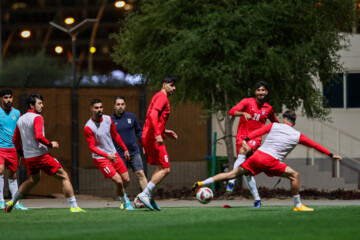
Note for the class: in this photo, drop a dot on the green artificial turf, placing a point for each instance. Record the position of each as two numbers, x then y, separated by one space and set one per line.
277 222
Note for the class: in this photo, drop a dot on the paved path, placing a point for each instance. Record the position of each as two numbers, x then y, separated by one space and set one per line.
100 203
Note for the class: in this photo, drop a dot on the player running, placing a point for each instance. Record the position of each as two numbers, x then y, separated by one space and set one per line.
153 136
253 113
282 138
30 142
8 158
100 131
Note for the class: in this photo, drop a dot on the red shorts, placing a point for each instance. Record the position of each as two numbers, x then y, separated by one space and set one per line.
109 168
155 154
262 162
45 162
8 157
253 144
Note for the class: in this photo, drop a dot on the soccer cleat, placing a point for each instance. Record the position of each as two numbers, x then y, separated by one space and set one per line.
76 210
128 206
121 206
230 187
145 200
196 187
257 203
8 206
20 206
154 205
2 205
303 208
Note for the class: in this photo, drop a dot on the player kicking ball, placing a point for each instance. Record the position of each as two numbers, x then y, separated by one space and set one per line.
280 141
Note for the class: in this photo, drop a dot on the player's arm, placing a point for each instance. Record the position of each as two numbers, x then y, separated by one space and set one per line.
171 134
272 116
17 142
90 138
238 110
138 129
259 132
39 136
117 138
310 143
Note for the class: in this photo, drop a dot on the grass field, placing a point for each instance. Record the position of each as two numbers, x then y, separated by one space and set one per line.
277 222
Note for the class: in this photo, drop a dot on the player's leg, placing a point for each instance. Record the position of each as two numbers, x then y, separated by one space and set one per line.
142 178
237 172
2 200
122 172
138 167
293 176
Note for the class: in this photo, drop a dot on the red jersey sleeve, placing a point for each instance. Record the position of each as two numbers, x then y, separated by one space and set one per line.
272 117
261 131
116 136
90 138
17 139
39 129
238 107
310 143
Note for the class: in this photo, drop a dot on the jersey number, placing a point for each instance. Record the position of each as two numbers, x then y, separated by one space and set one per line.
256 117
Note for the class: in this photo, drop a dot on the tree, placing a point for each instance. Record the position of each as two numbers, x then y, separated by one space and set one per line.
219 49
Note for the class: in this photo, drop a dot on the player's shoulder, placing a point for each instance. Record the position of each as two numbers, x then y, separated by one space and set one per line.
161 95
16 111
130 114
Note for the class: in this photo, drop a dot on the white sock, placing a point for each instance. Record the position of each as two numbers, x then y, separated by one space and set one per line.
208 181
251 183
13 187
123 199
72 202
150 189
241 158
1 187
297 202
17 197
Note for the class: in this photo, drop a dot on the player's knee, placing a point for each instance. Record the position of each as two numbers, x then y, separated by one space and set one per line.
1 171
295 175
166 171
126 180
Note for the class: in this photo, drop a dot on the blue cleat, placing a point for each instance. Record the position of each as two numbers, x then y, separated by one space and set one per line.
128 206
230 187
257 203
145 200
154 205
2 205
20 206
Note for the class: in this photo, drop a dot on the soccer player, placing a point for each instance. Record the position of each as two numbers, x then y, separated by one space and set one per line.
129 128
282 138
253 113
30 142
8 158
99 131
153 136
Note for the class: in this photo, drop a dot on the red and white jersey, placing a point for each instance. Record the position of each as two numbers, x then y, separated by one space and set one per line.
282 139
156 117
99 137
30 132
259 114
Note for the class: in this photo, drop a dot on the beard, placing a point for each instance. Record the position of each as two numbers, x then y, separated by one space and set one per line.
99 114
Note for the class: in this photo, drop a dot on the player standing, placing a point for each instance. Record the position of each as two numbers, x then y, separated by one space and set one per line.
253 113
29 139
8 158
100 131
153 136
282 138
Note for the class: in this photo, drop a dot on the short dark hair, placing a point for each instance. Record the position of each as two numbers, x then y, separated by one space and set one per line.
118 97
290 115
261 84
31 100
94 101
6 91
169 79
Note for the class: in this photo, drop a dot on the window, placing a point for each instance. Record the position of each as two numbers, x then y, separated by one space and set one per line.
353 86
334 92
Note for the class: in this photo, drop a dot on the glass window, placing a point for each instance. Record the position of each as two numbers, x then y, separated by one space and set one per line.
353 86
334 92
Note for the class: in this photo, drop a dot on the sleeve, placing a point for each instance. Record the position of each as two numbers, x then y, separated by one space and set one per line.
17 141
115 135
238 107
259 132
310 143
90 138
158 106
137 128
39 129
272 117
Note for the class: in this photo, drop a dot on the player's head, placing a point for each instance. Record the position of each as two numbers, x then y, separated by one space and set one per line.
119 105
290 117
169 84
261 91
6 98
96 108
35 102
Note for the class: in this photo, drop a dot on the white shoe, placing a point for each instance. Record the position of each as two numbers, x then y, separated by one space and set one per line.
145 200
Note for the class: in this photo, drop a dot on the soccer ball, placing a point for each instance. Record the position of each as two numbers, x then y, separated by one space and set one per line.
138 203
204 195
